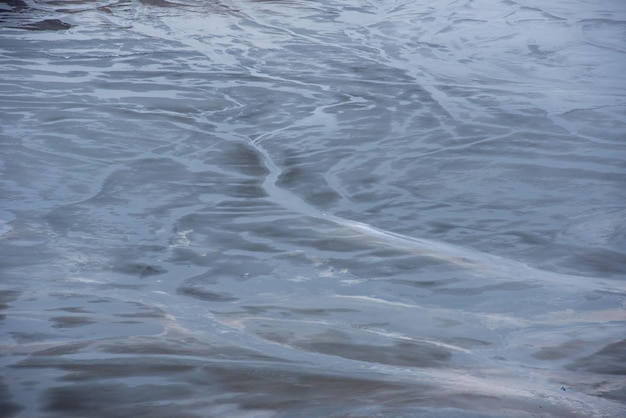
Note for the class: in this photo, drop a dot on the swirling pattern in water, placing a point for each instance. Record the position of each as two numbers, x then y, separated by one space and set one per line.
318 209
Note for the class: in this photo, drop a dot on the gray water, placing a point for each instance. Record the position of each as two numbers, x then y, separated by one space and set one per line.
356 208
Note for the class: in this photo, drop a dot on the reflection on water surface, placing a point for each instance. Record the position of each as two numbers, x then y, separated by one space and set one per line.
276 209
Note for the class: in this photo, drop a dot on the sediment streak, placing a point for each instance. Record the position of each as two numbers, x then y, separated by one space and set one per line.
499 268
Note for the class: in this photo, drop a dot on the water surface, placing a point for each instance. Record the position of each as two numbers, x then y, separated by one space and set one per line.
312 208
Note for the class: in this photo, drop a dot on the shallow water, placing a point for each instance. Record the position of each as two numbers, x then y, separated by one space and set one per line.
312 208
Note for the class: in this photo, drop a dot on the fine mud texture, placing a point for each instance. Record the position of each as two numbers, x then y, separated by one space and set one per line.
356 208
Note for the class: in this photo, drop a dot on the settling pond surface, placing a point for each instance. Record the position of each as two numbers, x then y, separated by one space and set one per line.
312 208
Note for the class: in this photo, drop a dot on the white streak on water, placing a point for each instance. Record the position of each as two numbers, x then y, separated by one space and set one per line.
480 263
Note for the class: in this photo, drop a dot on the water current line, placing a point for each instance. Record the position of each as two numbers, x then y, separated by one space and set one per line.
475 261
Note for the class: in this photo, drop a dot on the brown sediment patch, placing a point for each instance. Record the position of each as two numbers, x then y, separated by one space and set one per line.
6 297
562 351
468 342
46 25
140 269
118 400
71 321
15 5
202 294
63 349
411 354
609 360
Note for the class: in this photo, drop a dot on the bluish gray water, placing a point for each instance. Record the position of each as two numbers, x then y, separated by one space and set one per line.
357 208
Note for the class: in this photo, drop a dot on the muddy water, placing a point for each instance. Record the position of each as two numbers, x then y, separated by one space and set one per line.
315 209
